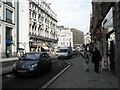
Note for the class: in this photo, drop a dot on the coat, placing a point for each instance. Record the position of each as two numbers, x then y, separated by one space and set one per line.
96 56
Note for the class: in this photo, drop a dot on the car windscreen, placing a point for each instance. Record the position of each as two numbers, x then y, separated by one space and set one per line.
63 50
31 56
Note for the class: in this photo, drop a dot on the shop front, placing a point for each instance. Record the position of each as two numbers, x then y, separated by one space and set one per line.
111 49
9 41
109 32
9 44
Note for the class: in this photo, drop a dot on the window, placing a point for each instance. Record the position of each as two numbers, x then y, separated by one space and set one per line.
33 15
31 56
9 2
8 33
8 15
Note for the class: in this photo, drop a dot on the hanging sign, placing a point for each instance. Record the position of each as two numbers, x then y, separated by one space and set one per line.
98 33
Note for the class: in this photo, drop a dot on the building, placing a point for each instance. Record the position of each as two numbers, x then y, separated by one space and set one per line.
65 37
104 28
116 25
87 39
36 25
8 34
78 37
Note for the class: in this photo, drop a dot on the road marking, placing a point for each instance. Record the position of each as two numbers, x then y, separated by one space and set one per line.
54 78
9 76
6 79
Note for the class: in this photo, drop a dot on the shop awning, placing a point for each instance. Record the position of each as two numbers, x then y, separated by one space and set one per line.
9 42
45 47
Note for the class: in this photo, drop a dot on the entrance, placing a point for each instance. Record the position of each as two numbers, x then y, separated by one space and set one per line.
8 41
111 49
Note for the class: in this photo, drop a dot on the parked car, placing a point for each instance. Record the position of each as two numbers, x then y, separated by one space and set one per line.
32 64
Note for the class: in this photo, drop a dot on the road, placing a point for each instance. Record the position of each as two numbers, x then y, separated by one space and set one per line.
11 82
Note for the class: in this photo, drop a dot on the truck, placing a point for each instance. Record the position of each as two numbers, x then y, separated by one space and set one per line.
65 52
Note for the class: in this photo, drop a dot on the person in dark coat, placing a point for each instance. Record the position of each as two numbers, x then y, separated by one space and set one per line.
96 58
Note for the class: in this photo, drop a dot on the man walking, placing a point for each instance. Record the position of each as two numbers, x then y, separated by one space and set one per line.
96 58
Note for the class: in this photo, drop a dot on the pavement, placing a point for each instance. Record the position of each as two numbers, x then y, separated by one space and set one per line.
6 64
76 77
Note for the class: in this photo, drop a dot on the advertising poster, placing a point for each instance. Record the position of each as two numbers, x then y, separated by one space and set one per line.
105 63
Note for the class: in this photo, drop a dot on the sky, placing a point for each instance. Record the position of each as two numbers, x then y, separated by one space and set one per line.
72 13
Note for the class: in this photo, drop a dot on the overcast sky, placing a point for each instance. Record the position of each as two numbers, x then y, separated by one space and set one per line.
72 13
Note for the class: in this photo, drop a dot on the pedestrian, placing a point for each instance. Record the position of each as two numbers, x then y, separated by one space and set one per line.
20 54
86 60
96 58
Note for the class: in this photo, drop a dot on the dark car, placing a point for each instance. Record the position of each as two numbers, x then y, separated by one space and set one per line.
32 64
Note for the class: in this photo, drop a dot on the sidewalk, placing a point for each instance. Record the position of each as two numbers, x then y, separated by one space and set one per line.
8 59
76 77
8 68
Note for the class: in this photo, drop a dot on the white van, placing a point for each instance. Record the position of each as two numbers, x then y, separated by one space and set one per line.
65 52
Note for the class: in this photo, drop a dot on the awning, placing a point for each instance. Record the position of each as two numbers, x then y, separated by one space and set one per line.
45 47
9 42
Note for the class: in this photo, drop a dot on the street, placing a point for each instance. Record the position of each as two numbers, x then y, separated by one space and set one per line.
73 77
10 81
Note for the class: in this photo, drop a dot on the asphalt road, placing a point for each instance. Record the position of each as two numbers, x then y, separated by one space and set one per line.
10 82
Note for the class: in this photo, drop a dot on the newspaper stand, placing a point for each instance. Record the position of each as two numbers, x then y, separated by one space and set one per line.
105 63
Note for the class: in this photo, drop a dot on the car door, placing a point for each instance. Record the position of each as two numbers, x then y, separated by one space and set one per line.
43 61
48 60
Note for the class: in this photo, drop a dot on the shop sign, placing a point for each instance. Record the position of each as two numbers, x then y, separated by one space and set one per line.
98 33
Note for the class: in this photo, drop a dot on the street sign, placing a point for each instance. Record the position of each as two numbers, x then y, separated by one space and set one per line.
105 63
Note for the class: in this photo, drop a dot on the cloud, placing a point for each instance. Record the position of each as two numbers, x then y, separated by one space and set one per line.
72 13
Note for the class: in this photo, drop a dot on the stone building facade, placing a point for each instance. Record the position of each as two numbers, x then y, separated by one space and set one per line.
37 25
117 37
104 28
78 37
8 39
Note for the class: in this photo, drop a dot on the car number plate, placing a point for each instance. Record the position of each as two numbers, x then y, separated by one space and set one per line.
22 71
